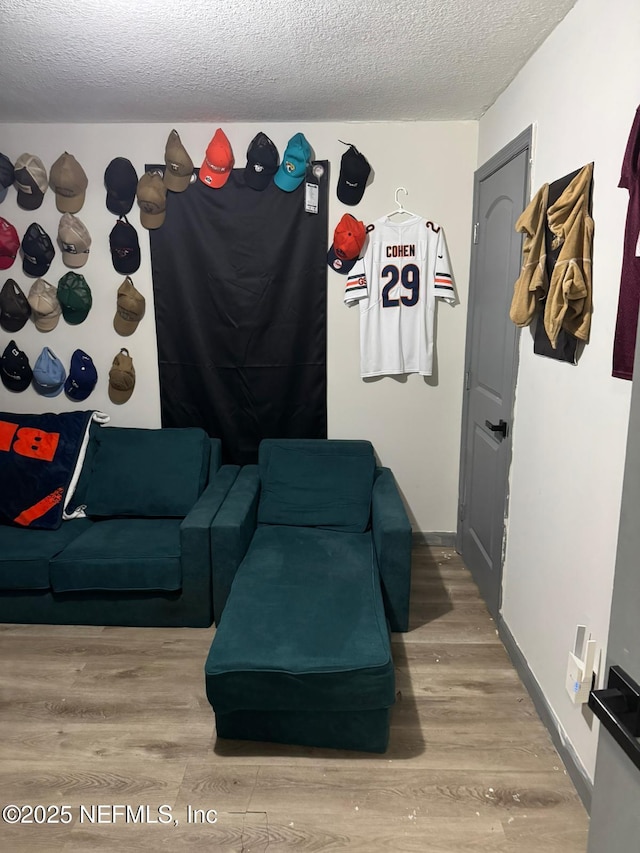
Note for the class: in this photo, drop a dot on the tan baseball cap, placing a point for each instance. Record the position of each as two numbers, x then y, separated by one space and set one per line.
122 378
152 198
130 308
75 241
179 166
69 182
45 308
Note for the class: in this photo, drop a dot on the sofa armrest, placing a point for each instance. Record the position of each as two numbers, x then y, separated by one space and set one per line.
195 540
231 533
391 531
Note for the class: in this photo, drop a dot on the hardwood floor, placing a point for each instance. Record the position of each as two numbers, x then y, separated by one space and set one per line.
118 716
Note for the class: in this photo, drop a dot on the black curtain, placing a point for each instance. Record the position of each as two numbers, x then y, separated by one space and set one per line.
239 280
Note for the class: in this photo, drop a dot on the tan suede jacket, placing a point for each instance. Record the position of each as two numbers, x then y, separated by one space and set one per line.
569 300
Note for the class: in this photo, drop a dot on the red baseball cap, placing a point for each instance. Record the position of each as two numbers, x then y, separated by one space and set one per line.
218 161
348 240
9 244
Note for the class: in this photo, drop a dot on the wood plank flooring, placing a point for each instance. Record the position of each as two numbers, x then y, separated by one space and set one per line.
118 716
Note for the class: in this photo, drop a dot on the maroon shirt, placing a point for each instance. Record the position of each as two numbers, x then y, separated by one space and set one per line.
624 343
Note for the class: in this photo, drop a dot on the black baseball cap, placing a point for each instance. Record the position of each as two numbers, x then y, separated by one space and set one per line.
121 180
15 370
125 248
354 172
14 307
37 251
82 376
262 162
6 176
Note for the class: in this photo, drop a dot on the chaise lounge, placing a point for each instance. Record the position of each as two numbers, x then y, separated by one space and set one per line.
311 570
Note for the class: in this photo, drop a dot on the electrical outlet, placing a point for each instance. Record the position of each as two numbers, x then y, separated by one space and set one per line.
580 667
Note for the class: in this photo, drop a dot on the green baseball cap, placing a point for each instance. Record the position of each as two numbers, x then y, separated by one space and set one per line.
74 297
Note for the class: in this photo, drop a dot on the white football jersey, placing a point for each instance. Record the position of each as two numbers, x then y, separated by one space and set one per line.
405 267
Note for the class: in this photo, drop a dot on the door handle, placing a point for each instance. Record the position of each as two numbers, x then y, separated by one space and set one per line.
618 709
500 427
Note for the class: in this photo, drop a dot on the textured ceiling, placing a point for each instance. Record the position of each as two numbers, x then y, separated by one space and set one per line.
263 60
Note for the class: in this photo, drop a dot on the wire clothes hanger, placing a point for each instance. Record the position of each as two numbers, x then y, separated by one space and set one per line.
400 208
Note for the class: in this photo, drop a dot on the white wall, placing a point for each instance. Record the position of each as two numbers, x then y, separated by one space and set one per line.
580 90
414 425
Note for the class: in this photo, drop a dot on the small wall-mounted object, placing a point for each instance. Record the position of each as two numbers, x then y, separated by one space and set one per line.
580 668
618 709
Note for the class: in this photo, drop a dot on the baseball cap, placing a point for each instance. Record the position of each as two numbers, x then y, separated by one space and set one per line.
178 165
152 200
14 307
74 240
348 240
37 250
122 378
125 248
218 161
48 374
30 180
130 308
69 182
45 308
74 297
9 244
82 376
6 176
121 180
15 370
354 172
294 164
262 162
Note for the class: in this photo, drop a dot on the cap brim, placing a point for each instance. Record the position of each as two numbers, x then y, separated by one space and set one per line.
35 270
74 317
75 261
176 183
17 385
46 324
117 396
350 195
339 264
124 327
47 390
258 180
126 266
29 202
152 220
6 261
76 394
11 325
70 204
284 181
3 193
213 179
117 206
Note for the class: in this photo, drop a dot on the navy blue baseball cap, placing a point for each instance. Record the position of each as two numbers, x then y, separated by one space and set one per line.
82 376
15 370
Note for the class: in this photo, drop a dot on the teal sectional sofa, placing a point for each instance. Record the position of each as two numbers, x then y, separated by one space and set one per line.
142 554
312 570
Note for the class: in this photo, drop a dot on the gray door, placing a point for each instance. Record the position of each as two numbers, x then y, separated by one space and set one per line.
500 194
615 805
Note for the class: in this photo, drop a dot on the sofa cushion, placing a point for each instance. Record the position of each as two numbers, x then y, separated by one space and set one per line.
25 554
121 554
304 627
316 483
146 472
